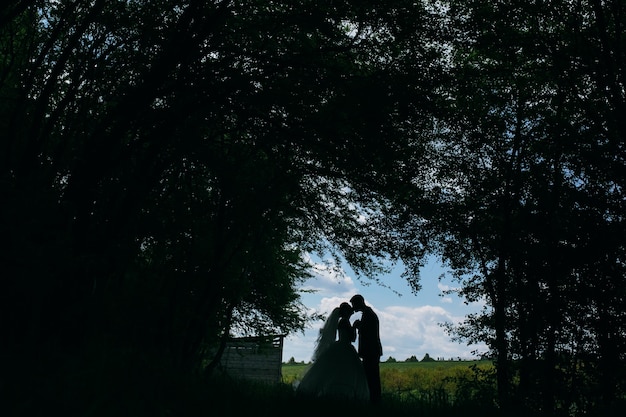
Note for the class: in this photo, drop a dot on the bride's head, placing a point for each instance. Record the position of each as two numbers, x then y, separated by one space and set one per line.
329 331
345 310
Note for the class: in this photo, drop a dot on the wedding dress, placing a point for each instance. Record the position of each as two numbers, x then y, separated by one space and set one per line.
336 370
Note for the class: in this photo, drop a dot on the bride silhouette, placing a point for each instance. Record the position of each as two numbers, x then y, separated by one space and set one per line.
336 370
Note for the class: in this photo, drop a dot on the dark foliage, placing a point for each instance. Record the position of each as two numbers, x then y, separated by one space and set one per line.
166 165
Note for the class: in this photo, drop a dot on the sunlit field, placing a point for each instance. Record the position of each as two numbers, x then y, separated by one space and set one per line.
409 389
435 389
439 384
441 369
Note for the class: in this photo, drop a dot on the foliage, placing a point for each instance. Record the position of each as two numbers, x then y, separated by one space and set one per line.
523 200
166 166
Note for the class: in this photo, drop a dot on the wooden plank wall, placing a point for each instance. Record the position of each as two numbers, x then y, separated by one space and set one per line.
255 358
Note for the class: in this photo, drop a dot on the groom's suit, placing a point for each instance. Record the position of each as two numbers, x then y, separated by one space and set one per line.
370 350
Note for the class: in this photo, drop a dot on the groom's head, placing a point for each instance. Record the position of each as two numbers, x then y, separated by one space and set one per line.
357 302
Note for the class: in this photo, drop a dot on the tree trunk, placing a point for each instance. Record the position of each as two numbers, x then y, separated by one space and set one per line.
502 350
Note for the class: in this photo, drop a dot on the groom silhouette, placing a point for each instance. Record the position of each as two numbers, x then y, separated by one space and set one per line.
369 346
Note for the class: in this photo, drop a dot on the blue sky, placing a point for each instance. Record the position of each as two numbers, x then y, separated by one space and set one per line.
410 324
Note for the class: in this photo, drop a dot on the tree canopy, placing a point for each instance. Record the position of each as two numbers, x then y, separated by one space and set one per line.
167 165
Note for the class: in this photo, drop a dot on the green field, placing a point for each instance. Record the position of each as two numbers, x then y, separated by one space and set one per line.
438 384
433 364
439 369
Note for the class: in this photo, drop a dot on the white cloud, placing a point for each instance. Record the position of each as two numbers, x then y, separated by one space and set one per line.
404 331
408 331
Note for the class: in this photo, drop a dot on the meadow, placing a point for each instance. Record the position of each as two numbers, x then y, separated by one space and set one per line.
415 389
438 369
438 384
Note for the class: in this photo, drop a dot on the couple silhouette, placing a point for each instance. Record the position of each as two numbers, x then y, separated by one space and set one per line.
340 370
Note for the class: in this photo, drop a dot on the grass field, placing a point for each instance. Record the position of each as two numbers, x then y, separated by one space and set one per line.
295 372
428 386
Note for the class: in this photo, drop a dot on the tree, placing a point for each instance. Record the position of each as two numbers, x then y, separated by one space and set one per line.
168 164
517 188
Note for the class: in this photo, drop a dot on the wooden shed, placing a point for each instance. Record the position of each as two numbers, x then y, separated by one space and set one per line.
255 358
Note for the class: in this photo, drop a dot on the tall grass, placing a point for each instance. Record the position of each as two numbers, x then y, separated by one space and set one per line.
463 388
440 383
430 388
138 386
278 400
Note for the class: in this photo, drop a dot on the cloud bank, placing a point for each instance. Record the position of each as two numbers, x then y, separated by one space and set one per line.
405 331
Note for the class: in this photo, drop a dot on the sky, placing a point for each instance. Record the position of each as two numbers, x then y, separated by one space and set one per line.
410 324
